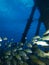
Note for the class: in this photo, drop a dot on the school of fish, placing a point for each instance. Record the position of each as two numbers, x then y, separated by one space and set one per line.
25 53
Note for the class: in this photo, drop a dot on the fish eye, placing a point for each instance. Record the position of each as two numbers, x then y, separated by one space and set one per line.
35 40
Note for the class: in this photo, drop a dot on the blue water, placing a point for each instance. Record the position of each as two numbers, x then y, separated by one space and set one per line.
13 19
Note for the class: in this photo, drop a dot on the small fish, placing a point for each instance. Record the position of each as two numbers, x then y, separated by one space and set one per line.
42 43
12 39
36 37
28 50
36 60
46 54
7 57
8 53
22 53
26 57
21 61
47 32
14 50
29 45
45 38
21 44
9 45
42 53
26 38
5 38
1 39
20 49
18 56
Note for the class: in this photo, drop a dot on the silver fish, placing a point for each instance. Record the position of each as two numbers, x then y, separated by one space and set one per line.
18 56
29 45
42 53
45 38
47 32
20 49
36 60
24 55
1 39
28 50
8 53
5 38
42 43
